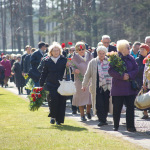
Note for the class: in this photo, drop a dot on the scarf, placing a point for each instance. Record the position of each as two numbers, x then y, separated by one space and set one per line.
104 77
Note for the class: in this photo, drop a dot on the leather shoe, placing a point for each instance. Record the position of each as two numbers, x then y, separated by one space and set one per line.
74 112
145 117
52 121
115 129
57 123
131 129
102 124
83 118
89 116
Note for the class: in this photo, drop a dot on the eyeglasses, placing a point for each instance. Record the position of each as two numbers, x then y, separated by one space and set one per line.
106 42
81 49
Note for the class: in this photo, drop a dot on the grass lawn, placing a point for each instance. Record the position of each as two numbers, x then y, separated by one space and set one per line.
21 129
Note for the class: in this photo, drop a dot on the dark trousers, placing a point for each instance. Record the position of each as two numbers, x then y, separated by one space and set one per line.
117 107
74 108
20 90
102 104
57 105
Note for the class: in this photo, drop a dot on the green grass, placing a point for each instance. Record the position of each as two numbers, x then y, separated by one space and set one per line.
21 129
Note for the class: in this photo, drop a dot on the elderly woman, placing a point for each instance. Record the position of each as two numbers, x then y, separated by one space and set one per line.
121 90
81 59
145 49
7 65
19 79
97 71
53 71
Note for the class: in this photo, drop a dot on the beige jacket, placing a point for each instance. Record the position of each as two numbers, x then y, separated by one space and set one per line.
91 75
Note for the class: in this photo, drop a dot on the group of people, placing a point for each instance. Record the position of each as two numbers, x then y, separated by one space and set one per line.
94 78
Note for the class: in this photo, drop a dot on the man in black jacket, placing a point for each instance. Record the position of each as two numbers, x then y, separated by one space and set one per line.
106 42
36 58
28 51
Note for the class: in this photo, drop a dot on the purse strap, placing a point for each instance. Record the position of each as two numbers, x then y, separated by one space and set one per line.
65 74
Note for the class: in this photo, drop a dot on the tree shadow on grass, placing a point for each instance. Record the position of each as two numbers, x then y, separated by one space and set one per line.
65 128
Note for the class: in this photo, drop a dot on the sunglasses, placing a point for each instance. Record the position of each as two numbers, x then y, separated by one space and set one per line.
81 49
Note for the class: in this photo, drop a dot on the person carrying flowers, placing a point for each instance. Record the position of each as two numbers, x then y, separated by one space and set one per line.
53 71
123 71
79 64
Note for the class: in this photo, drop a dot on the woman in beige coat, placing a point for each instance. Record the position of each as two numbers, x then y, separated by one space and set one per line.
80 62
97 71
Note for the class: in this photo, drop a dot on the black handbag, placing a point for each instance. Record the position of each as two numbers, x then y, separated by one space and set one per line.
134 85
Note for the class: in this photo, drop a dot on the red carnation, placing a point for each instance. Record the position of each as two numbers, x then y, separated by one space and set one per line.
63 45
69 43
81 47
145 60
39 96
41 89
34 90
37 90
69 59
34 99
32 95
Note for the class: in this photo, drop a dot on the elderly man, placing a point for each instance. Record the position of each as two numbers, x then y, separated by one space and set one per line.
106 42
147 40
135 49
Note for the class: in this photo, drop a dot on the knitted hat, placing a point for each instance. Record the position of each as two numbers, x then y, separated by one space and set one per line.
145 46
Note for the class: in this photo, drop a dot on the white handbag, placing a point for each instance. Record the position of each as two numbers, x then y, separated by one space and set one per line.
142 101
67 88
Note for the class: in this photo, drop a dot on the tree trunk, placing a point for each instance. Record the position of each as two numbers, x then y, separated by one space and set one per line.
42 13
30 22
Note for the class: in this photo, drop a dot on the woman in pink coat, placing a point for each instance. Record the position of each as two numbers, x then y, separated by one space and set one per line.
81 59
7 66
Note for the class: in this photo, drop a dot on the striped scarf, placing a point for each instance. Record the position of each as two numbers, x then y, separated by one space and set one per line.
104 77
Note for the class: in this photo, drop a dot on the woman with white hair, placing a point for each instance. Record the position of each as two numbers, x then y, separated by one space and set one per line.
53 71
122 90
97 71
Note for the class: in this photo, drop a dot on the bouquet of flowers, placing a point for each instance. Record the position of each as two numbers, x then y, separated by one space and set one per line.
30 84
37 97
147 60
80 76
116 62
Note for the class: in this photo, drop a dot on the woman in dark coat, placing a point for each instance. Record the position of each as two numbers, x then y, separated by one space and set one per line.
53 71
144 50
121 90
19 79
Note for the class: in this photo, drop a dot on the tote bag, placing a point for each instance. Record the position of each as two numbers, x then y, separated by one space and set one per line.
66 88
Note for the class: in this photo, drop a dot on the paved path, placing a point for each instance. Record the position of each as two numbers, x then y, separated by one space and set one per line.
141 137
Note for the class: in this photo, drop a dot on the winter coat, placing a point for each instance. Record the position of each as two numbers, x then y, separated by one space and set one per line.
52 72
7 66
27 64
139 77
91 73
19 79
121 87
81 98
